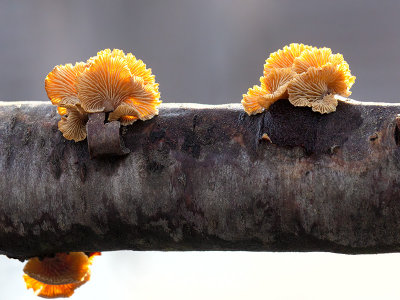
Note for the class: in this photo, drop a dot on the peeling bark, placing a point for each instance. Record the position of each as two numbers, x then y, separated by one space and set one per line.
203 178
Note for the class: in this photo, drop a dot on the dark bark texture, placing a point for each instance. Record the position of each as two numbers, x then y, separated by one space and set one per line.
203 178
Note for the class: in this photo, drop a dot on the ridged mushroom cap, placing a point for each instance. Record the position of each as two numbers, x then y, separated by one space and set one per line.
273 87
73 122
60 83
107 81
317 88
147 104
63 268
284 58
316 57
124 113
251 101
53 291
138 68
319 57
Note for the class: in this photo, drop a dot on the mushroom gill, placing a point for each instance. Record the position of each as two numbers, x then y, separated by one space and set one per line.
102 84
63 268
307 75
285 57
138 68
273 87
319 57
60 83
58 276
107 82
53 291
317 88
124 113
73 122
147 103
316 57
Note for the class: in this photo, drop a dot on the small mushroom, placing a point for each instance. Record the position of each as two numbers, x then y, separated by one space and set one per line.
146 106
53 291
124 113
316 57
319 57
58 276
285 57
102 84
317 88
251 100
63 268
73 122
273 87
107 82
60 84
307 75
138 68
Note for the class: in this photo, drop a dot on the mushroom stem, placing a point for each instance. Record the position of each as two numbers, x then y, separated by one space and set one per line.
202 178
104 138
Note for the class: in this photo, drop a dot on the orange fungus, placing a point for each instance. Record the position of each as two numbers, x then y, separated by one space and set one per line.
104 83
58 276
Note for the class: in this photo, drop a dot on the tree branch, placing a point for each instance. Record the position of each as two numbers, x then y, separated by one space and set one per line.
203 178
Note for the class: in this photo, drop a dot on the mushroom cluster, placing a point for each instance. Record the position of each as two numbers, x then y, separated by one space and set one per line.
110 82
58 276
306 75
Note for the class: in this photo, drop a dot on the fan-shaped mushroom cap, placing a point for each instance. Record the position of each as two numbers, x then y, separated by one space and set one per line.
273 87
73 126
147 104
60 83
284 58
275 83
53 291
125 113
107 82
63 268
317 87
138 68
319 58
316 57
113 53
251 101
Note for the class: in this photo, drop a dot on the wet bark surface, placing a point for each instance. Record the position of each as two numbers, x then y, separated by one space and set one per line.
203 178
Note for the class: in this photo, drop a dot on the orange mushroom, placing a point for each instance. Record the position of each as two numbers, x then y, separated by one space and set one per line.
53 291
73 122
102 84
124 113
60 83
108 81
319 57
316 57
58 276
285 57
307 75
317 88
273 87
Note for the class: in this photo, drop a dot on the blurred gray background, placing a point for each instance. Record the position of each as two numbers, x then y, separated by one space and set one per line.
204 51
207 51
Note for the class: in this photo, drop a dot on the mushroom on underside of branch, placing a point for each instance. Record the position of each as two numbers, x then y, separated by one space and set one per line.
58 275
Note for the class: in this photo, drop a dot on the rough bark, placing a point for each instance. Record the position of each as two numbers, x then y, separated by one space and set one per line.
202 178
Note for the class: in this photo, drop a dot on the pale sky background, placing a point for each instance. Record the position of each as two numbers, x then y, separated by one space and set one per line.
207 51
